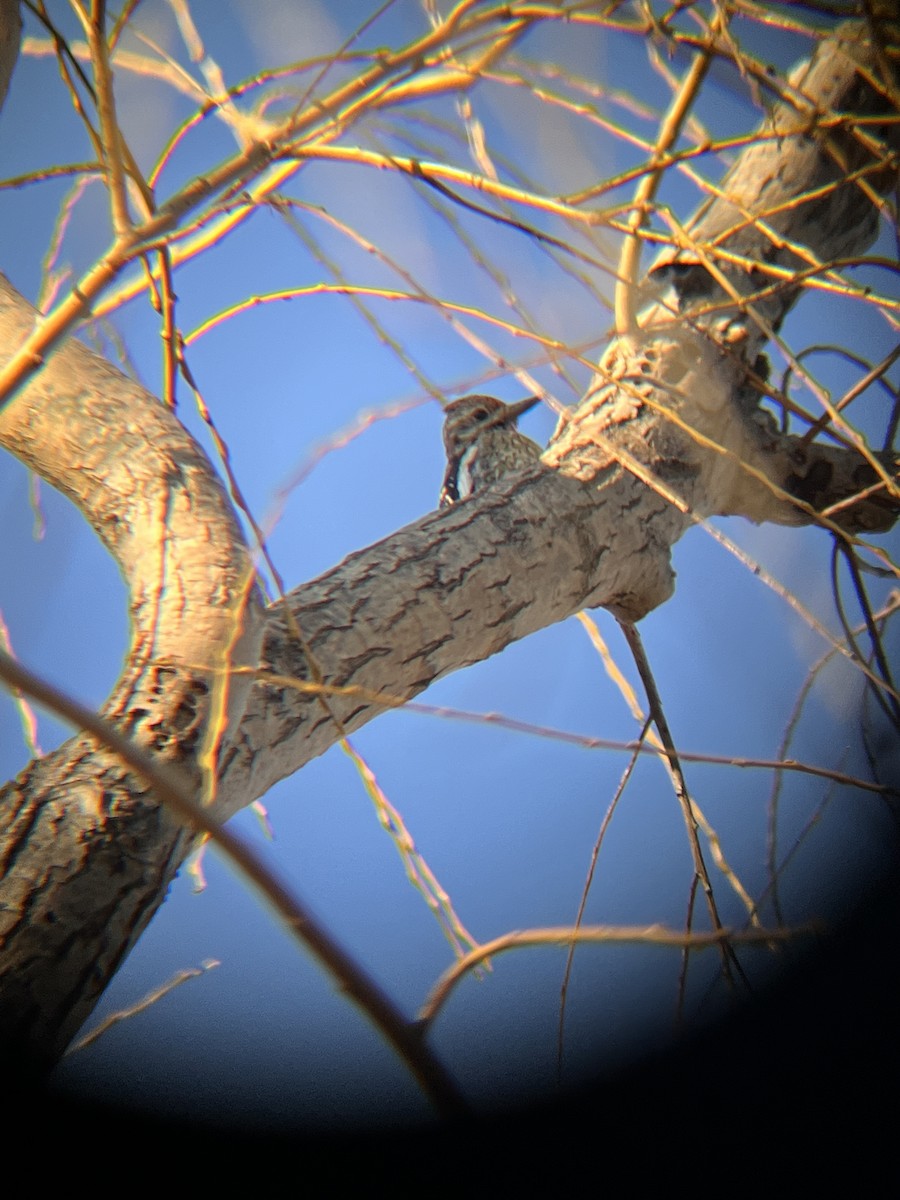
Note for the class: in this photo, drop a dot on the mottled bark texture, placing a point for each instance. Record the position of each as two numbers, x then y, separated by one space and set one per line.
671 427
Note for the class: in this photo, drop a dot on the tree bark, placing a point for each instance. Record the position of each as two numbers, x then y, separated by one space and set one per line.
671 429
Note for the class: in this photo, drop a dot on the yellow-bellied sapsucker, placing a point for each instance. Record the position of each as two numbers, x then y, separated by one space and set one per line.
483 444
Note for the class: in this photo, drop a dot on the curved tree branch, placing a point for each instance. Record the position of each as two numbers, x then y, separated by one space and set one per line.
666 433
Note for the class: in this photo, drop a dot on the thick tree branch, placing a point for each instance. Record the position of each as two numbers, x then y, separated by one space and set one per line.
152 497
674 407
667 431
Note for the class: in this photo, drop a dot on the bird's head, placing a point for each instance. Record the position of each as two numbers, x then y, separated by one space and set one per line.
466 419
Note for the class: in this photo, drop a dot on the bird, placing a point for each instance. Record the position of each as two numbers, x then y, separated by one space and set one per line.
483 444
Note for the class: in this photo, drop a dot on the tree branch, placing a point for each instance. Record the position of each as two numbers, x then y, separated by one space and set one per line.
666 433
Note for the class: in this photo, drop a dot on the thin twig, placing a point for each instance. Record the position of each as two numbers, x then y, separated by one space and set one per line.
639 935
669 130
585 891
133 1010
636 645
95 28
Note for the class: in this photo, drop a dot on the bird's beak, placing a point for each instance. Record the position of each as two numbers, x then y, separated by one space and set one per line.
514 411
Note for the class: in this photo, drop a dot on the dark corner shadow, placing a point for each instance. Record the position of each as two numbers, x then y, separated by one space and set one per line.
794 1080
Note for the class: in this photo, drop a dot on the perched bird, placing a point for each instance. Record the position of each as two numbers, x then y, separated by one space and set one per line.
483 444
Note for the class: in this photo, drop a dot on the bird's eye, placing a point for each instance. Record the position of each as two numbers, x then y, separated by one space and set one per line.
480 413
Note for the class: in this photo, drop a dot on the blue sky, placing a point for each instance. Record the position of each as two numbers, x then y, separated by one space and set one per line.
506 820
